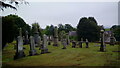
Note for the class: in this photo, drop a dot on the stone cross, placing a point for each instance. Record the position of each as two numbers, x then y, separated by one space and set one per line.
87 46
44 45
32 47
19 50
55 37
102 46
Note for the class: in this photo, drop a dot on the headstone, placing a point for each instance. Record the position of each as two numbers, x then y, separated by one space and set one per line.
73 44
102 46
64 43
32 47
26 40
80 43
36 35
68 40
39 42
87 46
44 45
55 37
49 43
112 39
19 49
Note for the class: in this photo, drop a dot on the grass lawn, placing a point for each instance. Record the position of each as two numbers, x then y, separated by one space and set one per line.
64 57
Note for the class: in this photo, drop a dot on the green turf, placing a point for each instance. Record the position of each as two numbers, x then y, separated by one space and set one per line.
64 57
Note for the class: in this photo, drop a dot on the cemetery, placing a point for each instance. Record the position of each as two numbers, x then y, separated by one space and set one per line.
75 53
73 36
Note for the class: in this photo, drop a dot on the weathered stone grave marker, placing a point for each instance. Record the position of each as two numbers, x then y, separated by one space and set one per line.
32 47
44 45
102 46
19 49
73 44
26 40
80 43
87 43
36 35
112 39
55 36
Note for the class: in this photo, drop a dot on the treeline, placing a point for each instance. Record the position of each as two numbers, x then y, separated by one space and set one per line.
87 28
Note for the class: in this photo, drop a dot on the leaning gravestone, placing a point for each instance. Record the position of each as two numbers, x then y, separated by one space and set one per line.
32 47
55 37
102 46
44 45
19 49
112 39
87 43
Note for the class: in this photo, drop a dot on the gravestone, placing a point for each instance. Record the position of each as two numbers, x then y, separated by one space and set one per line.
44 45
39 42
112 39
87 43
36 35
68 40
64 43
26 40
32 47
55 37
73 44
102 46
19 48
80 43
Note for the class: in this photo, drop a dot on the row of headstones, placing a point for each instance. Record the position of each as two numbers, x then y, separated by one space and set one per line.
19 47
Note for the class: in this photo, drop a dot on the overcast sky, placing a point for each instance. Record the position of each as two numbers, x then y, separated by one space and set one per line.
47 13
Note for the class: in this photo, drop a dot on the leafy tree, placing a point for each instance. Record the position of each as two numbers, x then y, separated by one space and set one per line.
68 28
51 30
10 28
87 28
3 3
34 25
116 31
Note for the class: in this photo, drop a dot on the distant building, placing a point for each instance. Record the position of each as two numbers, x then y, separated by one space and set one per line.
72 33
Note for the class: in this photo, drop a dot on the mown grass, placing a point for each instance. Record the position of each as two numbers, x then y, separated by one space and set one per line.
64 57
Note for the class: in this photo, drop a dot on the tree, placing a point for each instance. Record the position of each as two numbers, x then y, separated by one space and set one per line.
39 29
10 28
116 31
87 28
68 28
3 3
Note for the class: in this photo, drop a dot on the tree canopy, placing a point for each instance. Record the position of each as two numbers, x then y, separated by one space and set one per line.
116 31
10 28
87 28
9 3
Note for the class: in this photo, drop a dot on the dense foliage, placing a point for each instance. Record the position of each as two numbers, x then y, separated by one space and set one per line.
8 3
87 28
10 28
116 31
